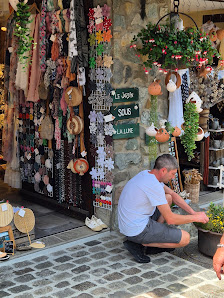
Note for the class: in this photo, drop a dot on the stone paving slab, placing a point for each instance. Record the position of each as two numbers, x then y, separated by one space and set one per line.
99 266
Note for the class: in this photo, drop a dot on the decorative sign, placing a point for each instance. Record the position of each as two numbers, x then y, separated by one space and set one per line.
126 131
125 111
125 94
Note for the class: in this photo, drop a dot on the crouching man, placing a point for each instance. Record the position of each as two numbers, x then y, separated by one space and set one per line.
144 206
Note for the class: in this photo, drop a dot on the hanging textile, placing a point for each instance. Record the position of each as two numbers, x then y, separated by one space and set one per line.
176 117
43 36
82 46
33 94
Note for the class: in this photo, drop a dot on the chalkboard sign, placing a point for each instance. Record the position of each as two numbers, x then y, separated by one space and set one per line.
125 94
126 131
125 111
9 247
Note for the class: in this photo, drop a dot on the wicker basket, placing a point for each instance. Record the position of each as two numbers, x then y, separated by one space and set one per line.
203 119
193 190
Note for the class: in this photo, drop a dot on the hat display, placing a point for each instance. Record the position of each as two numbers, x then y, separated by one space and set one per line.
73 96
75 125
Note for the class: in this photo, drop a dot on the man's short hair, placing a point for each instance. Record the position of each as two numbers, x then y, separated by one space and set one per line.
166 161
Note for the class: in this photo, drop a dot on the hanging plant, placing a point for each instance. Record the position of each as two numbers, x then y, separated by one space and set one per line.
22 32
191 125
168 47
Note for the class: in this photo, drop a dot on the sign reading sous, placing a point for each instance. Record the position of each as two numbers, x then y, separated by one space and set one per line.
125 111
126 131
125 94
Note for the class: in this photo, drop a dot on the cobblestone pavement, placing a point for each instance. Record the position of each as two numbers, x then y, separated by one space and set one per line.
99 266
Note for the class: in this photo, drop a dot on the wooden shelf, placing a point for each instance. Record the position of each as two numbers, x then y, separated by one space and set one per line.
214 168
214 149
216 130
211 185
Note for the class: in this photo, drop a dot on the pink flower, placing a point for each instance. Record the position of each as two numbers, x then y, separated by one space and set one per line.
175 42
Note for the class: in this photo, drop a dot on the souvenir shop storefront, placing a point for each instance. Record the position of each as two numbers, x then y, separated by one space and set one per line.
85 110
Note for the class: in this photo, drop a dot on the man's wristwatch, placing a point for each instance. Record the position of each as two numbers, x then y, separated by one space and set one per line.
220 245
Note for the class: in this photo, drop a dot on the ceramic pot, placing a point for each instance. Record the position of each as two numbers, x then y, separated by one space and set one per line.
151 130
176 132
200 134
216 163
162 135
207 241
215 180
215 123
216 144
155 88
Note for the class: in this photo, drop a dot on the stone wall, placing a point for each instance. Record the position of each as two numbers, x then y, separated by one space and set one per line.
131 155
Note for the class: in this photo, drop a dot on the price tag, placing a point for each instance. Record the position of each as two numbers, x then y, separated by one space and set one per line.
109 118
83 153
4 207
36 151
22 212
58 165
98 21
109 188
69 92
52 38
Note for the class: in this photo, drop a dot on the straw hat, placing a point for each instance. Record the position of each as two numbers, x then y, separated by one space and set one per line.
6 216
73 96
15 2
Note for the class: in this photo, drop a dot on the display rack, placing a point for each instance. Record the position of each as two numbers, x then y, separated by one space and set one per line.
220 168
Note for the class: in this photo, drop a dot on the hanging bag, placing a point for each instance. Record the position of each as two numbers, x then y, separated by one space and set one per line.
47 128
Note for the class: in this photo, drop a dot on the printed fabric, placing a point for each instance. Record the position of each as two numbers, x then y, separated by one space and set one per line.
82 59
43 36
72 46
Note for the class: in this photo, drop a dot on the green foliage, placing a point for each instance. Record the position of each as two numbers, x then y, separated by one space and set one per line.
22 32
191 124
215 214
153 119
163 44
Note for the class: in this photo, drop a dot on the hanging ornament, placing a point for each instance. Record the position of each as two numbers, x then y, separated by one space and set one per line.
168 79
155 88
151 130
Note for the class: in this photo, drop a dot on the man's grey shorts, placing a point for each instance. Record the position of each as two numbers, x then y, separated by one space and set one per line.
156 232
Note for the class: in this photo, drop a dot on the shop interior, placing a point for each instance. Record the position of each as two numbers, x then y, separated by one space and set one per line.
52 216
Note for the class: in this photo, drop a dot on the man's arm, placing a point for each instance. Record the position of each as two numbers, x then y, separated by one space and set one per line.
179 201
218 260
177 219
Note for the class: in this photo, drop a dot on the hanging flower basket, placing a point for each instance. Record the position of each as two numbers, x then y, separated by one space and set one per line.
170 48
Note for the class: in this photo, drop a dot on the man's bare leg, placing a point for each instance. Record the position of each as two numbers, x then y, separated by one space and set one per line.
185 239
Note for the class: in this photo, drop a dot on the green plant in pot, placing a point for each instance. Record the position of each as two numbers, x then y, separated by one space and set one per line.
22 32
168 47
209 234
190 126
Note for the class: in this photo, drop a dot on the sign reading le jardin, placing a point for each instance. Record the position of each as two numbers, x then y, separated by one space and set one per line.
126 131
125 94
125 111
